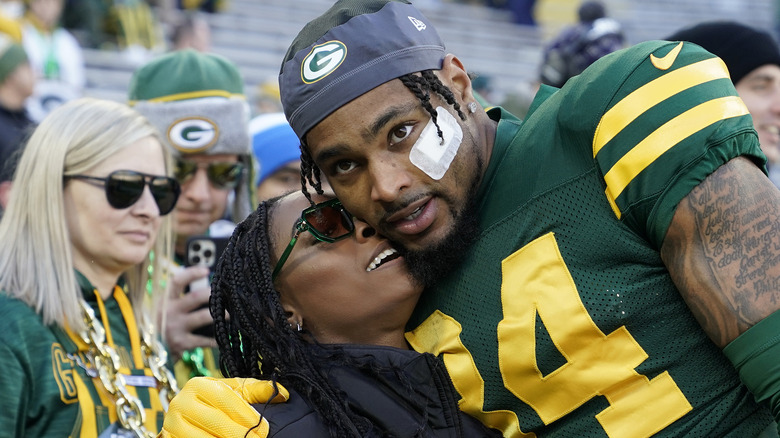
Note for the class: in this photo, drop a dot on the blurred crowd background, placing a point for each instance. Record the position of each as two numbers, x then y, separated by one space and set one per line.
502 42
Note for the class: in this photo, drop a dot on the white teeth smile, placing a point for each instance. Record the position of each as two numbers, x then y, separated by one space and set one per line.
380 258
414 214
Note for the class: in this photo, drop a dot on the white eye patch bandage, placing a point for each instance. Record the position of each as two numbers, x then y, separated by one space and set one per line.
429 153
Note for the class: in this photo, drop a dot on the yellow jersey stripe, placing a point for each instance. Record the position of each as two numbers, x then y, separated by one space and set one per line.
666 137
80 344
89 423
135 345
132 329
653 93
104 318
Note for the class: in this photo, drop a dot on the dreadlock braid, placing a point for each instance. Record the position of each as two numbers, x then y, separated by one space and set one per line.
309 173
421 86
414 85
257 341
434 83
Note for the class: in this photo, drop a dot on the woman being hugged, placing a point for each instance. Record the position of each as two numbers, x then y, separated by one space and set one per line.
82 231
318 302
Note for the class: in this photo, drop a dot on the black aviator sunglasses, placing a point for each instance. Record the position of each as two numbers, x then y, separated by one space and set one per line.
125 187
327 221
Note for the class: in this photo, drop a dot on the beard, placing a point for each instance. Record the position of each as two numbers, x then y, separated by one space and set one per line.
429 265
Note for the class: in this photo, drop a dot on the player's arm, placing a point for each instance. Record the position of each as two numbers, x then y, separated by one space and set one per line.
722 250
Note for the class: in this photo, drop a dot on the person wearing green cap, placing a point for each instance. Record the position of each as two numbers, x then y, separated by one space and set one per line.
16 85
197 102
606 267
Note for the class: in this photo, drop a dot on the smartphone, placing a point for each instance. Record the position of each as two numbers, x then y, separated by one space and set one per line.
204 251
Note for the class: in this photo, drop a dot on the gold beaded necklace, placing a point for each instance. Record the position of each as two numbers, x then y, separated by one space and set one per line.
105 360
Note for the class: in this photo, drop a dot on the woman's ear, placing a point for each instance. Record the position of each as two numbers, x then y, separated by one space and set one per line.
294 318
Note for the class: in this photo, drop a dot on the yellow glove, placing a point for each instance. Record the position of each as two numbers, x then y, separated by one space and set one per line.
210 407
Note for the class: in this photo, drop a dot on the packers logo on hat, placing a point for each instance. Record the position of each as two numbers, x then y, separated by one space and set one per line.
193 134
322 60
384 44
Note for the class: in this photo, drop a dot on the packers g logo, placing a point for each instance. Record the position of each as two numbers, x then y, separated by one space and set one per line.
193 134
322 60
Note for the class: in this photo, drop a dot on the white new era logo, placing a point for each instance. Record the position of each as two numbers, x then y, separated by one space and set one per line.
417 23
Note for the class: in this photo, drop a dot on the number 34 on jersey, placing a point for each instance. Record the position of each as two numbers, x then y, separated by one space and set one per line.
536 280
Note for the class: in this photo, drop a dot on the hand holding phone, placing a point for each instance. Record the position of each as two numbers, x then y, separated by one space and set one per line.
186 310
204 251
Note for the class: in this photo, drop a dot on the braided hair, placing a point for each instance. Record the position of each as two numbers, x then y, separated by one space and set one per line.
257 340
421 85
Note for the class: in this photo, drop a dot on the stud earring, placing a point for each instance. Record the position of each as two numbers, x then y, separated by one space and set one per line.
473 107
299 326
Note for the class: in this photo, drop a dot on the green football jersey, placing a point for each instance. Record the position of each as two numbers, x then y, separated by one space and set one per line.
563 321
49 390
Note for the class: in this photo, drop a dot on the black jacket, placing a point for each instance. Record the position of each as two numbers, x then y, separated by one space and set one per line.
385 400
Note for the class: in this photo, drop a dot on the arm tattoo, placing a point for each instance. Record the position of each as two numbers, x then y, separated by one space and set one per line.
723 250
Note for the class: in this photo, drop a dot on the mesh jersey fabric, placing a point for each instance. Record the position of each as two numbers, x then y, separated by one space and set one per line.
563 321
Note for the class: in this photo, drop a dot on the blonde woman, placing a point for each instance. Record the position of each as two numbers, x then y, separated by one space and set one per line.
84 227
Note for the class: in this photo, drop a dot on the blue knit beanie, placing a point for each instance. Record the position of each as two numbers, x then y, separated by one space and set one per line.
274 143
